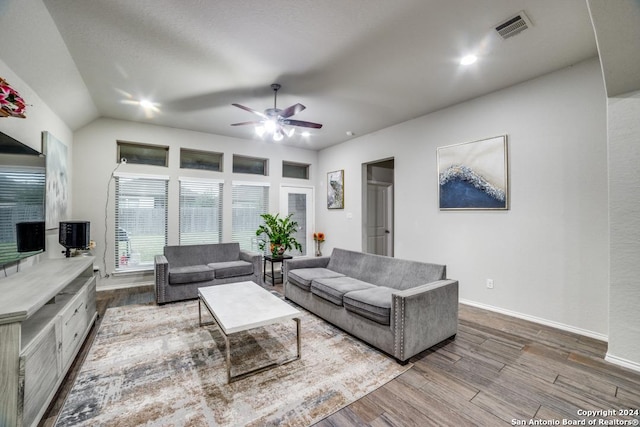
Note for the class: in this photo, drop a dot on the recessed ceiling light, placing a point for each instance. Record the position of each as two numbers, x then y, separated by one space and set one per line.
468 60
146 104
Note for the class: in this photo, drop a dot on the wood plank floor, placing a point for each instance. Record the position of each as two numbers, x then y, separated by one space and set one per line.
498 370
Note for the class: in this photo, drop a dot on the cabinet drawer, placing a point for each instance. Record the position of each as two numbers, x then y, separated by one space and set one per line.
74 323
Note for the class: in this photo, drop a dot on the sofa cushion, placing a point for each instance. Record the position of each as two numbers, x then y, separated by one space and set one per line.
302 277
231 269
333 289
373 303
190 274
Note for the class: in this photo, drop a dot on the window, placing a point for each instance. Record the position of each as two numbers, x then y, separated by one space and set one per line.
195 159
249 201
21 199
200 211
295 170
143 154
141 221
250 165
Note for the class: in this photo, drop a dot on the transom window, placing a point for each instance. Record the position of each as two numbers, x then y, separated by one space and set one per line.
251 165
143 154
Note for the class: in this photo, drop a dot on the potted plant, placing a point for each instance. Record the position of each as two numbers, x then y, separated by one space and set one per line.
279 232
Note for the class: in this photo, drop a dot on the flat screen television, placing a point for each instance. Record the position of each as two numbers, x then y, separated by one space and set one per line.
22 195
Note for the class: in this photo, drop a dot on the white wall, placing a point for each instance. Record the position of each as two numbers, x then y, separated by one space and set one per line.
29 131
95 157
548 254
624 189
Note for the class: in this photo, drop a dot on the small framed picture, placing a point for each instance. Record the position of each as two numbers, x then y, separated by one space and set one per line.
335 189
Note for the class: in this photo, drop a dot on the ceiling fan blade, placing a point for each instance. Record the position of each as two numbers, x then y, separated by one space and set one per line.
251 110
301 124
256 122
290 111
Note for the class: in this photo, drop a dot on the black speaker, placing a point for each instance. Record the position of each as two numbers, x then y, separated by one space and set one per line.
74 235
30 236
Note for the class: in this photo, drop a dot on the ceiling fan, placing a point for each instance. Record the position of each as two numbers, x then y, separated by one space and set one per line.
275 121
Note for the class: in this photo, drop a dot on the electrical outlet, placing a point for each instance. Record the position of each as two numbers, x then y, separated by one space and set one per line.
489 283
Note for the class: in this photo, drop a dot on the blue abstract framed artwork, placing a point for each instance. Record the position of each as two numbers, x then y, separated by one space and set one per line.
474 175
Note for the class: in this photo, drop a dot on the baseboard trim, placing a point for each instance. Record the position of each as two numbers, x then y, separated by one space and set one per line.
539 320
114 286
634 366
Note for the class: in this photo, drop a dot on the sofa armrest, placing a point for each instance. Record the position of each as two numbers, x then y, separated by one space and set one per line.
423 316
292 264
161 276
255 258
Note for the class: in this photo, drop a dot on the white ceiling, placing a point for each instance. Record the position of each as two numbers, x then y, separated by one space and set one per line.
357 65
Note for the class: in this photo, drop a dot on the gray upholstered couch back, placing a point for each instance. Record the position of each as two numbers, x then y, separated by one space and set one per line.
385 271
182 256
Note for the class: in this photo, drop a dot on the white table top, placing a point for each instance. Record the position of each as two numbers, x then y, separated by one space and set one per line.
245 305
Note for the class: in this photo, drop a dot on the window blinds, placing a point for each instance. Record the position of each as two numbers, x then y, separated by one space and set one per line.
200 211
21 199
141 221
249 201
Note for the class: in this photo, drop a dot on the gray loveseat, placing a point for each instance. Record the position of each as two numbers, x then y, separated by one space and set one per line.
183 269
401 307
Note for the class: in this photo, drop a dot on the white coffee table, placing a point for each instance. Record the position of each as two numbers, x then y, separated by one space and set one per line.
238 307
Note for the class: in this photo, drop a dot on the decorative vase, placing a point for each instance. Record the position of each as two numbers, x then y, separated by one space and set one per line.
318 252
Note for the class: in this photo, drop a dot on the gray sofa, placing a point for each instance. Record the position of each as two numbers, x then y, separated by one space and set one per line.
183 269
401 307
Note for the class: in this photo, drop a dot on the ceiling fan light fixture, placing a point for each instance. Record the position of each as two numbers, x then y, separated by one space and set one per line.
270 126
277 136
260 130
289 132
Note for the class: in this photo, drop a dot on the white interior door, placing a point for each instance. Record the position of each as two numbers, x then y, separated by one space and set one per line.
299 201
380 219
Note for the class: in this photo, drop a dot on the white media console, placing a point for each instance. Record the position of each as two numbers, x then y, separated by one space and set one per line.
46 312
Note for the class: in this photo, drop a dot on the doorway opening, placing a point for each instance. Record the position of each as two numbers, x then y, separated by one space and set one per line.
377 207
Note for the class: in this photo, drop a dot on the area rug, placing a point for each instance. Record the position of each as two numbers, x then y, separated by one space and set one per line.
153 365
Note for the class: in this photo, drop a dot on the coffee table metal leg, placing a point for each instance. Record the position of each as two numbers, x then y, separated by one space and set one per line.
298 339
228 356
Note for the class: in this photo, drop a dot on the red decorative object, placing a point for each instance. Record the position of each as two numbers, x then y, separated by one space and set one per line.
11 103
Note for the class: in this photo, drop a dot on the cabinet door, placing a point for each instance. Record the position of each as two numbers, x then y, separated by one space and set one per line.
40 367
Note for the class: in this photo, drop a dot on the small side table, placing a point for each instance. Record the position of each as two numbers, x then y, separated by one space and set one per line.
273 259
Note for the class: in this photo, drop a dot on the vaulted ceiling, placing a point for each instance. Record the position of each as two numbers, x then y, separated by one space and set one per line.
357 65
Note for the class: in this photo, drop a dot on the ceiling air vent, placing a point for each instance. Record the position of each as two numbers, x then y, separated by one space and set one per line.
514 25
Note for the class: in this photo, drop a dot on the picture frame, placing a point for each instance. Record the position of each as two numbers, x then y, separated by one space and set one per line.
474 175
57 185
335 189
